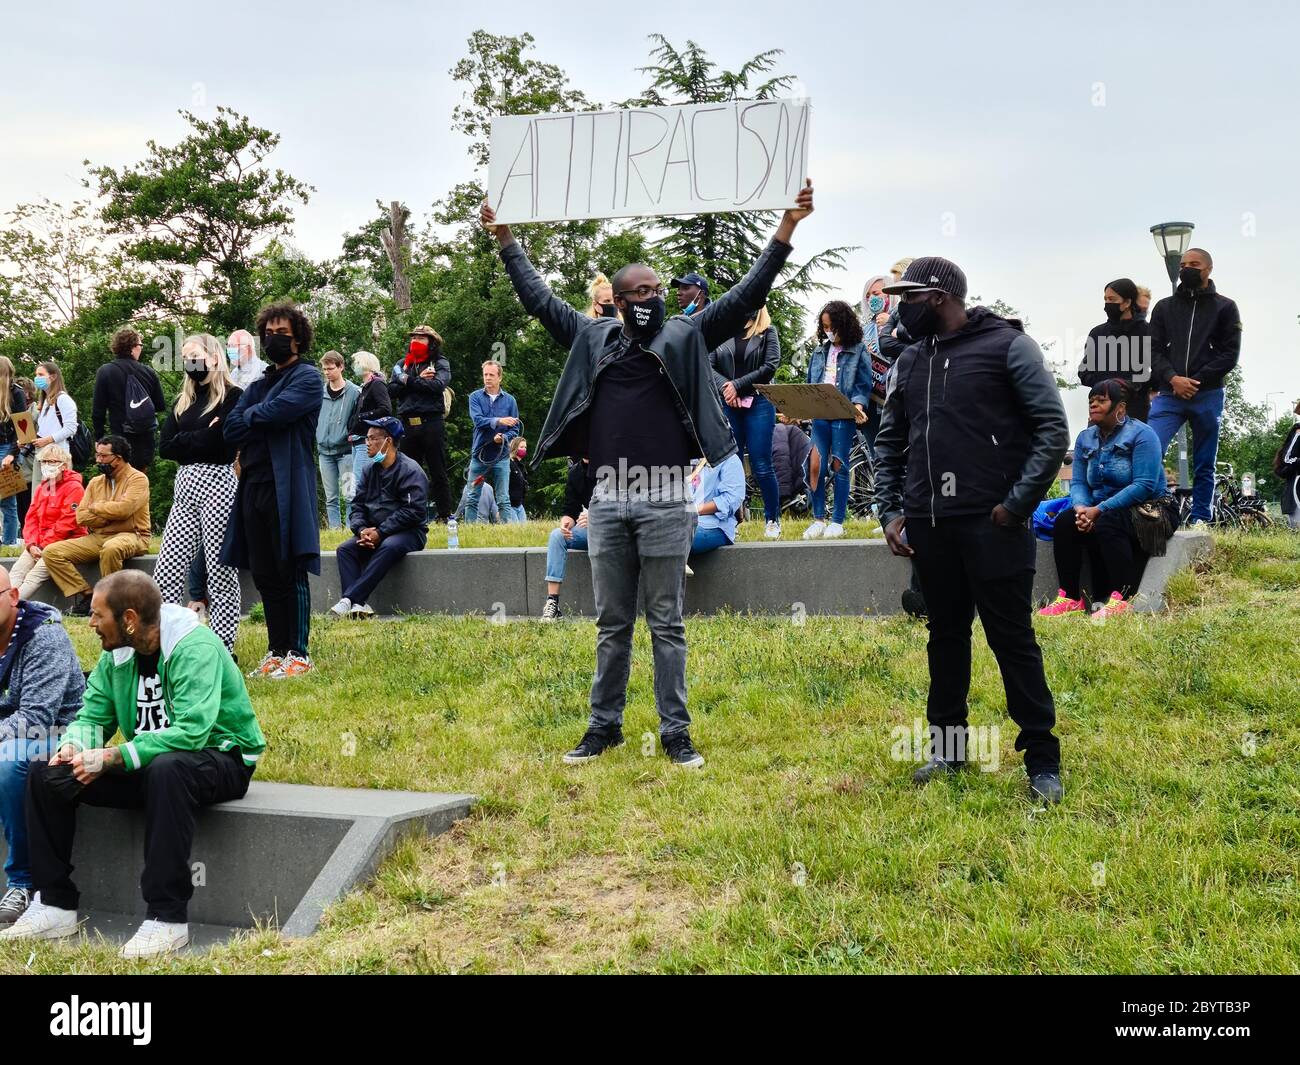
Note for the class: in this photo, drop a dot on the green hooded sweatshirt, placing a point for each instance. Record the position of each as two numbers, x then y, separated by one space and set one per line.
203 692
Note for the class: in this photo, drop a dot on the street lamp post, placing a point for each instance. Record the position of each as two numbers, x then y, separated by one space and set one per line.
1171 240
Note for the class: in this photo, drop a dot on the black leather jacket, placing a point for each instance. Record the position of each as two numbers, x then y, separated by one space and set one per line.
682 346
758 367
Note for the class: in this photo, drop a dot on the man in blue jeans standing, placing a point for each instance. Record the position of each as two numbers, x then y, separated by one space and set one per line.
1195 344
496 422
40 692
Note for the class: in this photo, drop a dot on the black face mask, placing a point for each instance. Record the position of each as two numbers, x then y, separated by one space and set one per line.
106 468
1139 314
608 310
1190 277
278 348
919 319
1113 312
196 375
644 319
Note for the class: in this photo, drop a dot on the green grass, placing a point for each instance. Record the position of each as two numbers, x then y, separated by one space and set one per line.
802 847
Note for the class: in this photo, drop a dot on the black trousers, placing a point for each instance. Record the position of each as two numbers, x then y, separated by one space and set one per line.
968 564
426 443
286 597
171 788
1112 549
142 450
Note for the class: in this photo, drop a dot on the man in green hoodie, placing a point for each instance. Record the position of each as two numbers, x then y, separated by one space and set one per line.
190 739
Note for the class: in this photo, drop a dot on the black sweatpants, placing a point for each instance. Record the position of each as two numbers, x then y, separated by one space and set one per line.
286 596
171 788
968 564
1113 551
426 443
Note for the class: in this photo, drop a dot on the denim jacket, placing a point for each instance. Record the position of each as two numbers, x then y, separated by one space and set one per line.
852 371
1121 472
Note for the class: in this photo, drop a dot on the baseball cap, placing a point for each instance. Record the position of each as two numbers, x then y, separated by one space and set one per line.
391 426
692 278
931 272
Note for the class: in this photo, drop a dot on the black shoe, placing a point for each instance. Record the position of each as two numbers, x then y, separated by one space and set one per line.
1047 786
913 603
14 905
937 767
594 743
680 752
80 606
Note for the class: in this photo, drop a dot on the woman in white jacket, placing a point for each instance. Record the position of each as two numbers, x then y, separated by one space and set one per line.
56 411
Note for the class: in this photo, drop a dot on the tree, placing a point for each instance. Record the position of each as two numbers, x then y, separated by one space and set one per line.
397 246
200 208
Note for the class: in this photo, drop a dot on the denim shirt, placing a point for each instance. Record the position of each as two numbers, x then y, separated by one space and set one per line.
852 371
725 486
1121 472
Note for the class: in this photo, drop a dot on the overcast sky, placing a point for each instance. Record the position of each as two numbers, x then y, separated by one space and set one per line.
1033 147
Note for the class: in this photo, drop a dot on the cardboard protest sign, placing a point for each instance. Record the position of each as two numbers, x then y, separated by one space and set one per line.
24 426
804 402
11 482
743 155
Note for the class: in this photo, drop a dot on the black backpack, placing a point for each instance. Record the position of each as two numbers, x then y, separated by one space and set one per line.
138 413
79 444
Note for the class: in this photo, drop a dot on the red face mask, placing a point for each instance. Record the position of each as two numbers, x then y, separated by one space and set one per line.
418 351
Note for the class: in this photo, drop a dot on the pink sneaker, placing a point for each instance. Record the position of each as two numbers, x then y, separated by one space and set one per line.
1116 605
1062 604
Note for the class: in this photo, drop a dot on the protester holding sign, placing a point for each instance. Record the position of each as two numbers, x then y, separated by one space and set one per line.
638 399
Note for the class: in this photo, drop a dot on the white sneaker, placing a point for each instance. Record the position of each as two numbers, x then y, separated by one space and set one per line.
342 608
772 530
363 610
833 530
156 937
814 531
42 922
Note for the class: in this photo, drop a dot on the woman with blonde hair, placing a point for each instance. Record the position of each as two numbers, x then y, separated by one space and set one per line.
204 495
750 359
602 298
51 517
12 400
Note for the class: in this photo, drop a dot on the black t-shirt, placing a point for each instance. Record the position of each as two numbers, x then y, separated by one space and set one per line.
150 713
634 416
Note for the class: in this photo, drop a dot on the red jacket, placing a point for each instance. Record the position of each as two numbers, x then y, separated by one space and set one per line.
52 515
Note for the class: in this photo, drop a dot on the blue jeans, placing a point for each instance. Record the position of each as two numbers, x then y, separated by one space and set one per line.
832 440
499 472
707 540
557 552
16 755
517 514
362 568
360 460
752 429
1205 412
338 474
9 507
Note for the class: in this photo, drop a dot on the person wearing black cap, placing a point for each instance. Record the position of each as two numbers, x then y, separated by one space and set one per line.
971 438
692 292
1120 348
387 517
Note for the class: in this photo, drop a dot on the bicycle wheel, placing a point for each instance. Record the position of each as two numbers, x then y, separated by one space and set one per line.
862 484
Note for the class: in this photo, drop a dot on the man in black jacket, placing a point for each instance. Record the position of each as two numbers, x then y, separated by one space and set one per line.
1195 344
387 518
972 436
128 395
637 399
416 385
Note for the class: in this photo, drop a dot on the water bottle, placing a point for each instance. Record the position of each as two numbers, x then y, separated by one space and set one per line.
453 538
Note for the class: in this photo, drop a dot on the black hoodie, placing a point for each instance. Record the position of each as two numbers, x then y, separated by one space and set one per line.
971 419
1195 333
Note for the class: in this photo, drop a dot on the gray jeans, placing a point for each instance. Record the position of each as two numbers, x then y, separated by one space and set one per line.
630 539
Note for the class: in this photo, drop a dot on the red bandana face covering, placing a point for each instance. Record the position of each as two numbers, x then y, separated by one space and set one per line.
418 352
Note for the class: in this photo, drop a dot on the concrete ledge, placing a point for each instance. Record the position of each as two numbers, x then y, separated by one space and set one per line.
830 577
282 854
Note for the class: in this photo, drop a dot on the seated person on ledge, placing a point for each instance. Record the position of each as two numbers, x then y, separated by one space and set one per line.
388 517
719 493
190 739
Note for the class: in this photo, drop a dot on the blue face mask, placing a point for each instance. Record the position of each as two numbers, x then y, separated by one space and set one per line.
378 457
876 304
690 308
233 355
41 383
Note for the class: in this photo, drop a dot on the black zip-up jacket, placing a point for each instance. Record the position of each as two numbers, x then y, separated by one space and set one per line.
17 403
1114 344
391 500
578 487
420 396
757 366
1195 333
109 400
971 420
374 402
682 347
192 438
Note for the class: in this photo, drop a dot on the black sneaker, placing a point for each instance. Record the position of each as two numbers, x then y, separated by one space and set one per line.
680 752
14 905
594 743
79 607
1047 787
551 611
936 767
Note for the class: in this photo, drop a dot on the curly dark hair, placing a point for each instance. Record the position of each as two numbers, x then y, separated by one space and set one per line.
124 342
844 320
298 322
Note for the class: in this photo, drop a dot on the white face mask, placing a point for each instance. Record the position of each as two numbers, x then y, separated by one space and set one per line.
50 470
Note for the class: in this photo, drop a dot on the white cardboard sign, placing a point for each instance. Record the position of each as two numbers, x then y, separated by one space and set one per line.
745 155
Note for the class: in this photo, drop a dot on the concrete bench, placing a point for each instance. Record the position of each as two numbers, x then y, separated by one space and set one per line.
281 854
832 577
